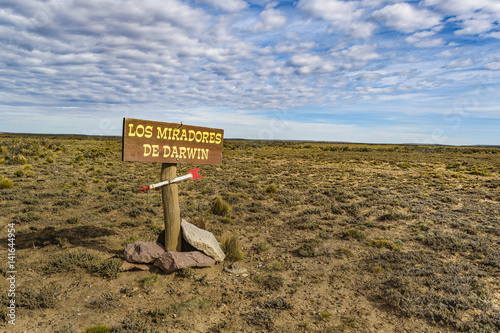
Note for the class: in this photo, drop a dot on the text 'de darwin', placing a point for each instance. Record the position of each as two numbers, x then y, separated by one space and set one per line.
152 141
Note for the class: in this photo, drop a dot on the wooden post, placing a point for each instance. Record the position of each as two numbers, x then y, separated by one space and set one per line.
171 212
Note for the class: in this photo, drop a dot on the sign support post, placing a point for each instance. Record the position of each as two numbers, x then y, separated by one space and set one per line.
171 211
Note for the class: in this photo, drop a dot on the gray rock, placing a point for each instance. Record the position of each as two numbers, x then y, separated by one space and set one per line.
143 252
202 240
235 268
173 261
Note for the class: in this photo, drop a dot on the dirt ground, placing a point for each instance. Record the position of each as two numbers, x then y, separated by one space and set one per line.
334 237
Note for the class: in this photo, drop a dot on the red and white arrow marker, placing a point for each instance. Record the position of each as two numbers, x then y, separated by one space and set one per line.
192 174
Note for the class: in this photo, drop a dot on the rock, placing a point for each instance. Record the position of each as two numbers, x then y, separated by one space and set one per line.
127 266
171 261
235 268
202 240
143 252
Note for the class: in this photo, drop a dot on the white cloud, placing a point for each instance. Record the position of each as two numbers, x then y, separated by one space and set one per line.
227 5
425 39
475 26
494 66
342 15
406 18
460 63
270 19
475 16
363 53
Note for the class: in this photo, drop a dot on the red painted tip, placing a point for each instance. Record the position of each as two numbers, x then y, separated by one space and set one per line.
144 189
194 173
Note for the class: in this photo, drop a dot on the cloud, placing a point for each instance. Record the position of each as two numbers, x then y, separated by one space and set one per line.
425 39
406 18
270 19
175 58
227 5
345 16
474 16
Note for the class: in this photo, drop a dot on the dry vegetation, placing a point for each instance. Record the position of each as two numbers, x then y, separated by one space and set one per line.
335 237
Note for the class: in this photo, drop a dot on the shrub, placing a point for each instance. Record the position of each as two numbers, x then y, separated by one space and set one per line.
344 252
384 243
307 250
72 220
110 186
269 281
354 233
21 159
271 188
6 183
19 173
107 300
45 298
276 266
89 261
149 281
219 206
49 160
262 247
232 248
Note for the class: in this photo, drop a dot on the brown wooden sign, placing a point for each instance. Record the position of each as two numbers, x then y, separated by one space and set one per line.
153 141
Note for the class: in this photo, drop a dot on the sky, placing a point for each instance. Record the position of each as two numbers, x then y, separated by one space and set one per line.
370 71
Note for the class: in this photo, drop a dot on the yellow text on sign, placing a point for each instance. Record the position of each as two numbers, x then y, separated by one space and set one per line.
175 152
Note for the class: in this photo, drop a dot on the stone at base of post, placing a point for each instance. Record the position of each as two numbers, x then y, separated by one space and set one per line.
171 212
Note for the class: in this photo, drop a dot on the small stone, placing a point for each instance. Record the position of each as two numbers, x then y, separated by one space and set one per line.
235 268
143 252
171 261
202 240
128 266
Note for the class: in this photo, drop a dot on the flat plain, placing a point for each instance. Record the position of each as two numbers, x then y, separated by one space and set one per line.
334 238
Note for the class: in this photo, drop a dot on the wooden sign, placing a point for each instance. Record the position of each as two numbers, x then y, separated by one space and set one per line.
153 141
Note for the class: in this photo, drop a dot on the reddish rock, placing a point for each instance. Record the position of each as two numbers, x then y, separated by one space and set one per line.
143 252
128 266
173 261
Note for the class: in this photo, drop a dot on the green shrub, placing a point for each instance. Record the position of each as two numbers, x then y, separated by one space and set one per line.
19 173
227 220
271 188
72 220
45 298
149 281
49 160
6 183
219 206
262 247
21 159
354 233
307 250
130 240
107 300
110 186
232 248
381 242
276 266
269 281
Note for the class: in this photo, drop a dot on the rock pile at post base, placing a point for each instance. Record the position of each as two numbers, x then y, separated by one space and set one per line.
170 261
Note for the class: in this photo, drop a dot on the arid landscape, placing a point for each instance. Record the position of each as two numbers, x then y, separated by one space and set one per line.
334 238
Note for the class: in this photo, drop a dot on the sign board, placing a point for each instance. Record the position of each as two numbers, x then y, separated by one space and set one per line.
153 141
